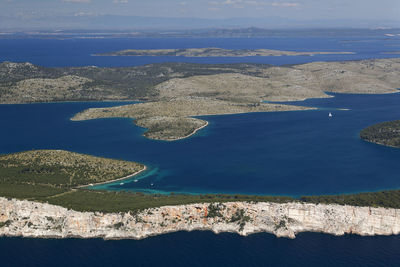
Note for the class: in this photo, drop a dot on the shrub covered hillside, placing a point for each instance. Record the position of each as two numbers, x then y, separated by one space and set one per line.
385 133
60 170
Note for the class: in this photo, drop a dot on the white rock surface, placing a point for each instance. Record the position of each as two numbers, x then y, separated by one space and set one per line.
33 219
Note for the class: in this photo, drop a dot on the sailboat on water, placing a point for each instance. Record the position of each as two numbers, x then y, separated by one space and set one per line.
330 115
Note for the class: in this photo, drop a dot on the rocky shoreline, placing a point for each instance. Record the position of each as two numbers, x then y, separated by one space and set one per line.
40 220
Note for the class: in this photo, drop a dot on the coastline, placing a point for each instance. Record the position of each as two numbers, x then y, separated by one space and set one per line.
193 133
41 220
115 180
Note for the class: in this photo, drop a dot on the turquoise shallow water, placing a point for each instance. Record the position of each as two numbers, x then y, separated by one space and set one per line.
279 153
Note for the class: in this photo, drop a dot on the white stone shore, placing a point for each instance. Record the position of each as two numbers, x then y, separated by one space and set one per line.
33 219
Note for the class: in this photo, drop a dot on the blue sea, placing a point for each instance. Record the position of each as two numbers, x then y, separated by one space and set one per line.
281 153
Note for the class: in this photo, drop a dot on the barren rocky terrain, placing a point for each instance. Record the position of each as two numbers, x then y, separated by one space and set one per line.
175 91
26 83
33 219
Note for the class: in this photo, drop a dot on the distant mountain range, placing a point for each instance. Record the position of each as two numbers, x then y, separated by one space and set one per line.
136 23
251 32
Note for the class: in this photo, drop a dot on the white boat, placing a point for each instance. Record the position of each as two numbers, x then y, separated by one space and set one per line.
136 181
121 184
330 115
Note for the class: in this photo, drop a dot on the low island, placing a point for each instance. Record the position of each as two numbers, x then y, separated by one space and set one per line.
215 52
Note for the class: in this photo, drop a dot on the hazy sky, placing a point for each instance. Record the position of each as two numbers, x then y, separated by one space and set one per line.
296 9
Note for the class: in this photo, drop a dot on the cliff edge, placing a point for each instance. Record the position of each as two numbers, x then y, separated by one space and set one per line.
33 219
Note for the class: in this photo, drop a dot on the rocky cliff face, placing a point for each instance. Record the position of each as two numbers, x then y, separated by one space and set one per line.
32 219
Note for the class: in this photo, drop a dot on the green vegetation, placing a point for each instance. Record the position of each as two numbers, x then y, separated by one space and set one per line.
240 218
214 210
28 191
90 200
281 224
40 174
61 169
5 224
387 199
51 176
385 133
118 225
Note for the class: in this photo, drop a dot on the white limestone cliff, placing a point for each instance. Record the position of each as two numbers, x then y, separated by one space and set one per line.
33 219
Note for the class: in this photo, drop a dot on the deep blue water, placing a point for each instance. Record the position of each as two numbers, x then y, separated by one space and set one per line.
290 153
281 153
204 249
77 52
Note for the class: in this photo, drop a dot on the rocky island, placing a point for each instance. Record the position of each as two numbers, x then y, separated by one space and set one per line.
169 115
215 52
171 120
385 133
176 93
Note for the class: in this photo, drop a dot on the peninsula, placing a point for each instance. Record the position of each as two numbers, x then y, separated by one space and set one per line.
215 52
171 120
44 174
385 133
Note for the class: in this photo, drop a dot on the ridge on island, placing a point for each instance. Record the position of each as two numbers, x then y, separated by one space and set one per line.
249 83
215 52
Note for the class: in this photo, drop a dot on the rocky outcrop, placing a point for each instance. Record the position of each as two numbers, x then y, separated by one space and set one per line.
32 219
